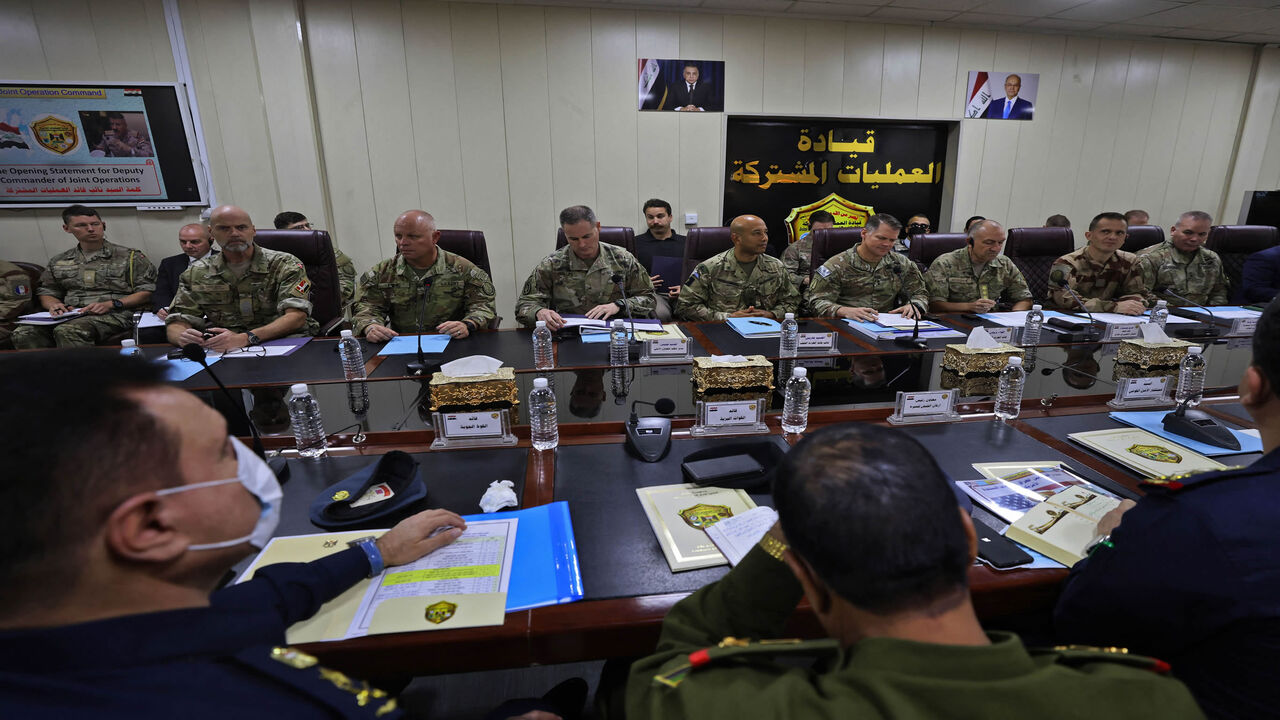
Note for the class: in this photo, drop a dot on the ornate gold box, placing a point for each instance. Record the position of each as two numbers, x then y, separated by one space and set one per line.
490 391
1148 354
753 372
966 361
970 386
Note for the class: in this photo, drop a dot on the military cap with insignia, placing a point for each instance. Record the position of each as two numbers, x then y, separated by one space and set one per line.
378 491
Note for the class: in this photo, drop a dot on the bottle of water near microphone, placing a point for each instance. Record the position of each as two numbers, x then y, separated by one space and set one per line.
308 426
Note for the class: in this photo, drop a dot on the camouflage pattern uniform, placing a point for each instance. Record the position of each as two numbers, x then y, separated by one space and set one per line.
389 295
847 280
109 273
1100 286
951 279
15 298
274 282
1197 276
346 277
797 258
564 283
718 287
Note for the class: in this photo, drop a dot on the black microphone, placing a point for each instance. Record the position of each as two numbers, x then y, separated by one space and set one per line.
1207 332
419 367
616 278
195 353
650 437
664 406
1090 335
914 341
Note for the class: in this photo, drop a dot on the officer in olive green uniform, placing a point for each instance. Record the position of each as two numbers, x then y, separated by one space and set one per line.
799 255
721 286
975 277
1104 276
847 280
106 280
15 299
905 642
578 278
391 294
1183 265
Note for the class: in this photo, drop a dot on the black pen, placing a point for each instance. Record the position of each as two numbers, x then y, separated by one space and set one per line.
759 322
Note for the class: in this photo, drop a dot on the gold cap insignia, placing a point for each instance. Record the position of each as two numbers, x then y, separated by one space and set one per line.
341 495
293 658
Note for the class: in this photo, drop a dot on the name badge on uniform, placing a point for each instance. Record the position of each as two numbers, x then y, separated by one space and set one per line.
89 277
246 307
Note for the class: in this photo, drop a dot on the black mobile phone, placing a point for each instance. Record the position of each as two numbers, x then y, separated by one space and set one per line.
999 551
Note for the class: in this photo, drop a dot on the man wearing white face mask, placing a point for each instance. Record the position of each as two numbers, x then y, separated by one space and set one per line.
134 507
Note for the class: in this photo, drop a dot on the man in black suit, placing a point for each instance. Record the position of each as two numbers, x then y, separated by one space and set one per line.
1010 107
194 239
691 95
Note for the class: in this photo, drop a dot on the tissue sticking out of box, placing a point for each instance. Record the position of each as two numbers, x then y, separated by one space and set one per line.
471 366
1153 333
729 358
980 339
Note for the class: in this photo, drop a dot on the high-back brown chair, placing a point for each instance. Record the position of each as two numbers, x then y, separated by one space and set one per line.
1234 243
470 245
830 242
1033 251
1142 236
703 243
315 249
926 248
623 237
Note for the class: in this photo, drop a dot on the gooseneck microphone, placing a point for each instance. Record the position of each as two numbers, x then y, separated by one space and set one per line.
1208 332
1090 335
195 353
616 278
420 366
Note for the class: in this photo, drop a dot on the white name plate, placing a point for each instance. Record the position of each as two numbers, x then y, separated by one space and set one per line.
478 424
1123 331
1002 334
816 341
1244 326
916 407
668 346
1141 392
743 412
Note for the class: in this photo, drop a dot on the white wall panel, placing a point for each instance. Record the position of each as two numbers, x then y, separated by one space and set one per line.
572 109
613 58
864 51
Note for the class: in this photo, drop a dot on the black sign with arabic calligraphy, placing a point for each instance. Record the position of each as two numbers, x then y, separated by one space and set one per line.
775 164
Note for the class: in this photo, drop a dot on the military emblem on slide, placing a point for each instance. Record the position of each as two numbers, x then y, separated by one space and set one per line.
441 611
703 516
846 212
1158 453
55 134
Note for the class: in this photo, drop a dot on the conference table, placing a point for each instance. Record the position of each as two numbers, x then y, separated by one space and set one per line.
627 584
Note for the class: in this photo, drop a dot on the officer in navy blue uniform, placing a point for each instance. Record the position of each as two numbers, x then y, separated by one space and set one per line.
127 503
1192 573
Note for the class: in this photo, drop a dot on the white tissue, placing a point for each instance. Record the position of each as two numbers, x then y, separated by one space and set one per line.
980 339
471 366
729 358
498 496
1153 333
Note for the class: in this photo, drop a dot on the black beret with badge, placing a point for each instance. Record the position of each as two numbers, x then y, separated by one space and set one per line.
375 492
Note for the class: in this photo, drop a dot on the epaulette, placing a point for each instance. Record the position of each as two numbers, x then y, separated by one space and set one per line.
1081 655
735 648
1178 483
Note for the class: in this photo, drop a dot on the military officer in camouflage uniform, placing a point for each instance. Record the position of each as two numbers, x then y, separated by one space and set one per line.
799 255
290 220
244 295
973 278
104 280
578 278
740 282
459 298
1107 278
1182 265
903 638
869 278
15 299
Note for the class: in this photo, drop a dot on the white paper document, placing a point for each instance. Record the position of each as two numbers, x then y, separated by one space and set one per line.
1119 319
735 536
45 318
259 351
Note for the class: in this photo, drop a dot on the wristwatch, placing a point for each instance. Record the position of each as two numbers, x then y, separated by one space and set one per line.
253 339
117 304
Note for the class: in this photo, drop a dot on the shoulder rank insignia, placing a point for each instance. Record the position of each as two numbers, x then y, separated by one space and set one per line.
738 648
1173 483
703 516
1076 655
293 658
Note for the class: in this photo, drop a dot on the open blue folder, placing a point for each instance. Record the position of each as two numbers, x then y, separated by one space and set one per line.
408 344
544 569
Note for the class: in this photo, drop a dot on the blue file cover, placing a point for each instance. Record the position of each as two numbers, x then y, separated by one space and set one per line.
408 344
544 569
755 327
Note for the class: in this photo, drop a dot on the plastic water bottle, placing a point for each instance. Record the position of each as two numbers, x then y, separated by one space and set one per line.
1009 396
1160 313
353 369
544 428
795 402
130 348
618 343
308 427
1031 329
544 355
789 339
1191 377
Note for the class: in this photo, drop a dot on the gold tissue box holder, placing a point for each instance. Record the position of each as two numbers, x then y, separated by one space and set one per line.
477 392
753 372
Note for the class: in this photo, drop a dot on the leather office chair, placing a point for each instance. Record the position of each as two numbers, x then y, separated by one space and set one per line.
623 237
1033 251
926 248
830 242
701 244
470 245
1142 236
1234 243
315 249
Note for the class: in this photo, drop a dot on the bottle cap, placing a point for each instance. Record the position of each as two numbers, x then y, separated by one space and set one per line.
789 316
539 383
619 324
345 333
1015 361
127 343
799 372
541 323
1195 350
1037 307
299 389
1162 303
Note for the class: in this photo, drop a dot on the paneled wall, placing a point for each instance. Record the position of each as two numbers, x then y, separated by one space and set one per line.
493 117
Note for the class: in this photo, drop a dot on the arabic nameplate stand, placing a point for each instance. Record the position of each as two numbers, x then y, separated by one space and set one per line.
666 350
469 429
735 416
730 395
1142 392
924 407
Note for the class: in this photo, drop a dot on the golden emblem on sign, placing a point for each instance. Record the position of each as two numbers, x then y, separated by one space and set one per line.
56 135
341 495
1158 453
703 516
846 212
441 611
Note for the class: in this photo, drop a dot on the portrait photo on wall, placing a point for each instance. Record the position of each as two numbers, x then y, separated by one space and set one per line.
681 85
1001 95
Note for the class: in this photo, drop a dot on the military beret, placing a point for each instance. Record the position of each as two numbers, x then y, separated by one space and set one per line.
378 490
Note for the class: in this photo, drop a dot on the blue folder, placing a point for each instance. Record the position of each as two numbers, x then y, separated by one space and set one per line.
544 569
755 326
1153 422
408 344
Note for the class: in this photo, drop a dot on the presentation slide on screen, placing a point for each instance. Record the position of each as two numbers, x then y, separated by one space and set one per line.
79 144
